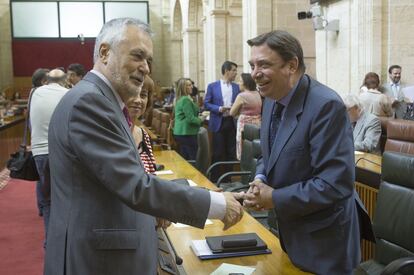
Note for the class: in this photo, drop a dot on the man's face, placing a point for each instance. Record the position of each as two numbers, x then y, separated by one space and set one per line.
73 78
395 75
270 72
231 75
128 63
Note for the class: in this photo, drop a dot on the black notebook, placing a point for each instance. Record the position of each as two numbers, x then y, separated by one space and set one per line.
235 243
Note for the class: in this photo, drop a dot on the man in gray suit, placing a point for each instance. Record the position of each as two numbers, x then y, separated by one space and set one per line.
306 173
103 203
367 127
393 89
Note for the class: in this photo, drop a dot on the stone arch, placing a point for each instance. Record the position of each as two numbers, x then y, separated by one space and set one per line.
176 45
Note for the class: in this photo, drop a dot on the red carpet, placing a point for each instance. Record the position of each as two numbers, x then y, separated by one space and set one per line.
21 230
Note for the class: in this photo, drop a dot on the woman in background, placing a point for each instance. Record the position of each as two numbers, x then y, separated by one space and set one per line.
186 119
136 108
247 107
373 101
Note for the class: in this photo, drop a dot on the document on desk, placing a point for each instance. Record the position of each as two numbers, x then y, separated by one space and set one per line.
179 225
225 269
203 251
164 172
359 153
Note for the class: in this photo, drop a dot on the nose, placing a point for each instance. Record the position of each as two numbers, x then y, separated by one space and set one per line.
255 73
144 67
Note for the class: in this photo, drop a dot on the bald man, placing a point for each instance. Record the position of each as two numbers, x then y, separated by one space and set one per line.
43 102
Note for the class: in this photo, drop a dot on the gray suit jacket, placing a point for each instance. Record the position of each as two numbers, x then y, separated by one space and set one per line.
401 107
103 203
367 133
311 167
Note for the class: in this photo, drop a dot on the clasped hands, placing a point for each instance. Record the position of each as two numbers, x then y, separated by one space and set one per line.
258 197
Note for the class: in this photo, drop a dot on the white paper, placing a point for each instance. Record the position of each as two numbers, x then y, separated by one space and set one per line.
179 225
359 153
191 183
409 92
164 172
225 269
200 248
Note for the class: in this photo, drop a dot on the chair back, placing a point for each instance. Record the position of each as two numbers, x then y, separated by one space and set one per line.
203 151
400 136
156 121
393 221
165 122
250 132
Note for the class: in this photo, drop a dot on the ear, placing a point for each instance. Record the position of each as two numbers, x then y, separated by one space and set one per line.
293 65
104 52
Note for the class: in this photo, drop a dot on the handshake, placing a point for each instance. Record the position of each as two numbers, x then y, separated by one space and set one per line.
258 197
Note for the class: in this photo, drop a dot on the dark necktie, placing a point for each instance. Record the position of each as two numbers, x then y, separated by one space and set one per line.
276 119
127 117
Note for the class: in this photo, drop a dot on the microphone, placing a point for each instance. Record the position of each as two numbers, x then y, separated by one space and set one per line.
178 259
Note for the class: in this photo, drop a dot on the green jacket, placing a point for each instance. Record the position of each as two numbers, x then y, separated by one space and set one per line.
186 121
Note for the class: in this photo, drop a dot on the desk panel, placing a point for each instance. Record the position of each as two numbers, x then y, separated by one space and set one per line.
275 263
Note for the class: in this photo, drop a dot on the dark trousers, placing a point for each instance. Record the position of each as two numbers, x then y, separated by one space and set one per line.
224 146
41 165
188 146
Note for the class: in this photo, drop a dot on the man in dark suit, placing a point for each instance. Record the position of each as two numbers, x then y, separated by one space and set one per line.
219 98
306 173
103 203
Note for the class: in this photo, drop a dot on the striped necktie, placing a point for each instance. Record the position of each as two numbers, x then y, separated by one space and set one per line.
276 119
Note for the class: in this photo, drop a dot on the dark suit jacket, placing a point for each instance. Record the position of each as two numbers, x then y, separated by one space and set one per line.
214 100
311 167
103 203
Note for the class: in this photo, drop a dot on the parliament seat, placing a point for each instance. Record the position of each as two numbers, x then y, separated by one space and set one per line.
393 221
400 136
202 161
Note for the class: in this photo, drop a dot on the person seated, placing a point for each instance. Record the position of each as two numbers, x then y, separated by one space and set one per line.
372 99
366 126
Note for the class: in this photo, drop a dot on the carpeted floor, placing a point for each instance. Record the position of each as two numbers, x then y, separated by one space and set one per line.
21 229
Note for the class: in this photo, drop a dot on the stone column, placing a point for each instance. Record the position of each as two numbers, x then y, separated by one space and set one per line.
176 59
190 53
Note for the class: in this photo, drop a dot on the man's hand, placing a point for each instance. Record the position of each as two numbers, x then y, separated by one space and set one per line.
259 196
234 210
223 109
162 223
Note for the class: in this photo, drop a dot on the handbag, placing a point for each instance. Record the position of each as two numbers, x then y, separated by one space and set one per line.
409 114
21 163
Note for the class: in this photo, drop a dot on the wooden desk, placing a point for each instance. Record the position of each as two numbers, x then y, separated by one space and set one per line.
275 263
368 161
11 136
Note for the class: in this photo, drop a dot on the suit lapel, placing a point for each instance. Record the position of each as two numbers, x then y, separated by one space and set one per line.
219 94
289 121
107 92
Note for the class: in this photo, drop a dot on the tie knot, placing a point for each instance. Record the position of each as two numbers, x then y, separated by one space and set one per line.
127 117
277 112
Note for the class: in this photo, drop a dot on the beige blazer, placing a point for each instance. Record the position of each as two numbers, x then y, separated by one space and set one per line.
376 103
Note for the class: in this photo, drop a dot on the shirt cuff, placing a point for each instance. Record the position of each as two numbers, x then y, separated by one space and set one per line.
217 206
261 177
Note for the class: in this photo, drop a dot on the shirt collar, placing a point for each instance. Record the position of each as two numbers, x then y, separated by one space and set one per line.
395 84
224 82
104 79
286 99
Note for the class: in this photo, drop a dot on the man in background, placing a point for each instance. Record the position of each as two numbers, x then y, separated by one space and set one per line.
104 204
366 126
393 89
42 105
75 73
219 98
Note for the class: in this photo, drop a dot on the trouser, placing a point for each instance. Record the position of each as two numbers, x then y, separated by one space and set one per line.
188 146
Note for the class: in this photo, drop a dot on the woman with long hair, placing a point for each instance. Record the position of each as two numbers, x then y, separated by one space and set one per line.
186 119
246 108
373 101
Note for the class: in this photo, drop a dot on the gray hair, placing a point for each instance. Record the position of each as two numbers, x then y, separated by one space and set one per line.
351 101
112 32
